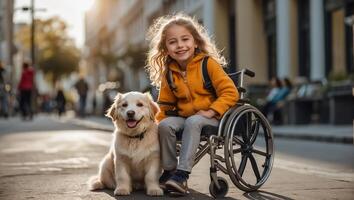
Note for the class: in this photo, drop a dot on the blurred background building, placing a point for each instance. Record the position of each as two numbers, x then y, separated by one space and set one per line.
6 34
307 41
273 37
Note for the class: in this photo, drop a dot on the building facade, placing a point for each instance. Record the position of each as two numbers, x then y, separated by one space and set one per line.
6 36
295 38
284 38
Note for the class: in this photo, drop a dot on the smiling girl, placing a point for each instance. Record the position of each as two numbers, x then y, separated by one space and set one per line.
178 45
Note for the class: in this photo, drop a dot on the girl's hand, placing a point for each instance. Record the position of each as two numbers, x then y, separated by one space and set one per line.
207 113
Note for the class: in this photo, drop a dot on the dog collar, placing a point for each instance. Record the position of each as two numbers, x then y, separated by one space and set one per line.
140 136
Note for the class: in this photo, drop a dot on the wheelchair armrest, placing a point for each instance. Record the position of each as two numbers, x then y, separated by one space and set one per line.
244 100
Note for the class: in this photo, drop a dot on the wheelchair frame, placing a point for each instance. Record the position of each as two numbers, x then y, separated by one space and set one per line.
239 127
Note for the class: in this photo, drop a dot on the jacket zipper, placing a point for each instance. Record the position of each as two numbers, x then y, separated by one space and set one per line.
185 80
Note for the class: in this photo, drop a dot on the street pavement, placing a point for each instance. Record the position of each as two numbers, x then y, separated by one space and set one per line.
313 132
51 158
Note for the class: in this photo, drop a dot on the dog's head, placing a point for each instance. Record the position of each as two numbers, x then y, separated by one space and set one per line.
132 111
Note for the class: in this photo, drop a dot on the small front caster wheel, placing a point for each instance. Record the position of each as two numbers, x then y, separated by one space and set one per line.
219 192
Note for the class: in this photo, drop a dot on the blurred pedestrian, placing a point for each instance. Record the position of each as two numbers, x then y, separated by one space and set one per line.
4 111
275 110
82 89
94 105
60 102
276 86
26 88
284 91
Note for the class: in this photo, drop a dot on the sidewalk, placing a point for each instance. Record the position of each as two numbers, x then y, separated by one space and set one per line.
314 132
49 158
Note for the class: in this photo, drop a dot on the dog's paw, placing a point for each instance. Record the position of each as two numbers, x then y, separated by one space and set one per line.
155 191
94 183
121 191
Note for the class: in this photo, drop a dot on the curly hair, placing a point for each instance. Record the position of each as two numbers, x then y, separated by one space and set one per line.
157 57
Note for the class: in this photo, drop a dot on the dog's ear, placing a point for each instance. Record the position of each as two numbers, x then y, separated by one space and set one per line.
153 106
112 111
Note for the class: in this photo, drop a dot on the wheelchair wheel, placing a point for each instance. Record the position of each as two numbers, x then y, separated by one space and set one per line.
219 192
248 139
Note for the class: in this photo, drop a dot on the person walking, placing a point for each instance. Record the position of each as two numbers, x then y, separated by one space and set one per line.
4 111
179 44
82 89
60 102
26 87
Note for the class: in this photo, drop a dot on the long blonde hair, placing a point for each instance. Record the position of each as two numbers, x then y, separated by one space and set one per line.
157 57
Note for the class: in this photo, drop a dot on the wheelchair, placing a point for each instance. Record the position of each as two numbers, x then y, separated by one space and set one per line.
236 140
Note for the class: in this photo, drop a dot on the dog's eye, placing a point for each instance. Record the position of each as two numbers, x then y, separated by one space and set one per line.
124 105
139 105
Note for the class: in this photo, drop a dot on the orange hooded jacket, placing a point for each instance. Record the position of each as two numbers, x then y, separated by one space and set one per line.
190 95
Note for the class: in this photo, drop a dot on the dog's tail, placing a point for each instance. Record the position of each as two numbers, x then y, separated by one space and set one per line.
94 183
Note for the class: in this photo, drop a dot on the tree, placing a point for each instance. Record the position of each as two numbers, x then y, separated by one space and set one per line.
57 54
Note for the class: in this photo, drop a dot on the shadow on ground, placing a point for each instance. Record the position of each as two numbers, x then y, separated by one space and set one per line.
263 195
140 194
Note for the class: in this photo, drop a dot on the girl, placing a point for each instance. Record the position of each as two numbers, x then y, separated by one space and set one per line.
179 43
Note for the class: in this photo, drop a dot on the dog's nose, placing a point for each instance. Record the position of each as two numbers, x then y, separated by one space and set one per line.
130 113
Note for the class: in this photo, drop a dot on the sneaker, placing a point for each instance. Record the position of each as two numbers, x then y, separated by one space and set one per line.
178 182
164 177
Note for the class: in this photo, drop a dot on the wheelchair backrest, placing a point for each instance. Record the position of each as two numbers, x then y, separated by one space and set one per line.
236 77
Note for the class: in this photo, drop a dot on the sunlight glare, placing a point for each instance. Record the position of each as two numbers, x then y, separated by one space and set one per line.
87 4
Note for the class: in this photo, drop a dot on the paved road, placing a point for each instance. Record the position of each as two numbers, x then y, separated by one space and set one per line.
330 156
49 159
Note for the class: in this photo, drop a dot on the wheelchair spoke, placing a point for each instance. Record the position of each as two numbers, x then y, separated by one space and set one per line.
244 129
259 152
243 164
255 131
237 150
255 167
238 141
249 126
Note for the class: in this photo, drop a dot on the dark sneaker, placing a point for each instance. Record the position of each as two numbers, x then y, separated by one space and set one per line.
178 183
164 177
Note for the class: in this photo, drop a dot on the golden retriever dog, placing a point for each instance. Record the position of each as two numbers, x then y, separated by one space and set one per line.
134 156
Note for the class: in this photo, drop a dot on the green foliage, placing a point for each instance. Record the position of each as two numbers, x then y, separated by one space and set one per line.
61 62
57 55
337 76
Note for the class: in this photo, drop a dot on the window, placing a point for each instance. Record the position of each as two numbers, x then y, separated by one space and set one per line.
304 38
339 37
269 26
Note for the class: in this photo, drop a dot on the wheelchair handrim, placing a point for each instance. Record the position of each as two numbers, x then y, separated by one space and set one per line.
229 131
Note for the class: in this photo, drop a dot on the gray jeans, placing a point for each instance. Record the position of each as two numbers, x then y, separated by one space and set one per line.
191 127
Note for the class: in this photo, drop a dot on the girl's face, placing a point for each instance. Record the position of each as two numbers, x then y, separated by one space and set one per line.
180 44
